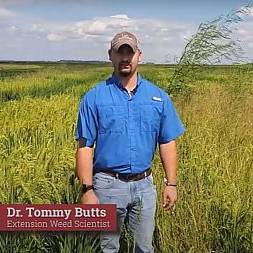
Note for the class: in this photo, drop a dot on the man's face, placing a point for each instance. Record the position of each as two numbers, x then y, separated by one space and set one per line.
125 61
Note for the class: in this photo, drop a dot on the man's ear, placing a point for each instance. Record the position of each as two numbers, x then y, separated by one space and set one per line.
109 53
140 56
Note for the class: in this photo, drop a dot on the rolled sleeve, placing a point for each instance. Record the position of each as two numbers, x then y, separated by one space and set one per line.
87 120
171 126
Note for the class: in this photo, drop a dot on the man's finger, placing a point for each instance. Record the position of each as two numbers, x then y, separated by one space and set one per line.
165 199
169 205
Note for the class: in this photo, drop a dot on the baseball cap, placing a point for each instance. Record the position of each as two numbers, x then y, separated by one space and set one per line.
124 38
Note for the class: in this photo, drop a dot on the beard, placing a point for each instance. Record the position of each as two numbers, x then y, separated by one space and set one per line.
125 69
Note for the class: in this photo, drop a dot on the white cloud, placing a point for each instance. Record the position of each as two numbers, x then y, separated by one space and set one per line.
157 38
91 38
121 16
37 28
103 25
155 30
93 28
250 44
101 29
53 37
13 28
5 13
244 31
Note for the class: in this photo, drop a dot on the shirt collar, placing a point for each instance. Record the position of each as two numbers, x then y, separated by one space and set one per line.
116 80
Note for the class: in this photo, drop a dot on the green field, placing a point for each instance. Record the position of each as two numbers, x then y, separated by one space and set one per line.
214 212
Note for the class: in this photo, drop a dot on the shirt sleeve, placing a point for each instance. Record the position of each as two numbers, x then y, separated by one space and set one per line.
171 126
87 120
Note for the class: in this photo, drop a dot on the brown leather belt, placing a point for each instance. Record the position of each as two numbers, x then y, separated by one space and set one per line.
128 176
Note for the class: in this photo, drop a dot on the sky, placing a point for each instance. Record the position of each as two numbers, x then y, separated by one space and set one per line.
82 29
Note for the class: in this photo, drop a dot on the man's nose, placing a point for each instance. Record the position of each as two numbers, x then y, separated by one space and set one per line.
125 58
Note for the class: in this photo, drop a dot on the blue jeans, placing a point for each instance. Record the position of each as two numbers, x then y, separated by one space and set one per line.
136 202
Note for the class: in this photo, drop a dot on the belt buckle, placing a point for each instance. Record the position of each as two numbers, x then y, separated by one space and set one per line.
136 177
127 177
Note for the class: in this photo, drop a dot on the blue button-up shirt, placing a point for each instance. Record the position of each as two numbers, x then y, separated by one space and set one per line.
125 128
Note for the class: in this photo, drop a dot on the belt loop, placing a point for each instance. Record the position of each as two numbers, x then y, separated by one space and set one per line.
145 174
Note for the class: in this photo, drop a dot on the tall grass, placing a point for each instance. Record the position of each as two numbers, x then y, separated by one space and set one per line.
214 212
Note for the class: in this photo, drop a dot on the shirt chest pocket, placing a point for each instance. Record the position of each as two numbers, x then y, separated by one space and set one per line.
151 117
112 119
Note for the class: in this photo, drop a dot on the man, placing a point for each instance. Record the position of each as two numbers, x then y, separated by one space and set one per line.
124 118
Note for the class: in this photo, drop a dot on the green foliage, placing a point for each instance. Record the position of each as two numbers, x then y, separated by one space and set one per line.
213 43
214 212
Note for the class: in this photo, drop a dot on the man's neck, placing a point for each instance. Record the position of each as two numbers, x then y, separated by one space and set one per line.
129 82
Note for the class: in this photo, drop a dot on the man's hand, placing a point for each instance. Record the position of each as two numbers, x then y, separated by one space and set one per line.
89 197
169 197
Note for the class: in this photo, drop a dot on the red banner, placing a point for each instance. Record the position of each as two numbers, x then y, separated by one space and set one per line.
58 217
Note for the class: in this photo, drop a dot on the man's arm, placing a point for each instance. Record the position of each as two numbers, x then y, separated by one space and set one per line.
168 154
84 171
